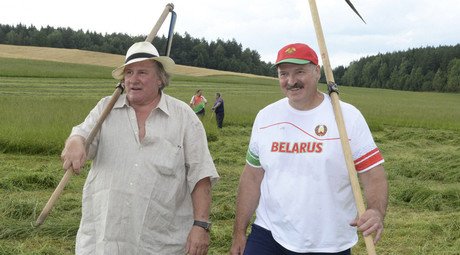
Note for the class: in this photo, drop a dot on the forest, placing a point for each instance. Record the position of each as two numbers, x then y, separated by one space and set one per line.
419 69
220 55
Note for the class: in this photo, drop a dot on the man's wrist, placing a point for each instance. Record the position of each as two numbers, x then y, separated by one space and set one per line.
206 225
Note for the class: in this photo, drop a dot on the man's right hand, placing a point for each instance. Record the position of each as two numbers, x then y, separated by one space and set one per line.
74 154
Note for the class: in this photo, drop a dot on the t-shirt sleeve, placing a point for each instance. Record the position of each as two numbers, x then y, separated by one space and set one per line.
252 155
366 154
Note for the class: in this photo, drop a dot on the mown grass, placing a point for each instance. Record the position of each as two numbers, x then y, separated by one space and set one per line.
419 134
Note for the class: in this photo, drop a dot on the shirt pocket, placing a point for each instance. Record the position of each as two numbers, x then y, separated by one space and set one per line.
165 156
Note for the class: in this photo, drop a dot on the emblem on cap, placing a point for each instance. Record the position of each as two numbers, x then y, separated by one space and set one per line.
321 130
290 50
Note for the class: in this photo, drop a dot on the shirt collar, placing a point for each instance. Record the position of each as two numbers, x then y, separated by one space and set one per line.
162 105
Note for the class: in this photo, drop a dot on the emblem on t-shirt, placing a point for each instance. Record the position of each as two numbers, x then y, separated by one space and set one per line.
321 130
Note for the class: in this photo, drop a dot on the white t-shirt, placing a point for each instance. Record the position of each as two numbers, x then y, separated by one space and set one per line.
306 198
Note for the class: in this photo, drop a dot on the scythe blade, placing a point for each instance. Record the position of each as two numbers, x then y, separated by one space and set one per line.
354 9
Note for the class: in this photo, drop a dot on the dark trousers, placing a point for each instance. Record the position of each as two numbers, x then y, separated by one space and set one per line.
219 119
261 242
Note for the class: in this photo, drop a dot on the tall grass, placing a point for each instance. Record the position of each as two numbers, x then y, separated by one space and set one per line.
41 111
418 133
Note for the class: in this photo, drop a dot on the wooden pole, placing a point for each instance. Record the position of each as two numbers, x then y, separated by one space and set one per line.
340 122
116 94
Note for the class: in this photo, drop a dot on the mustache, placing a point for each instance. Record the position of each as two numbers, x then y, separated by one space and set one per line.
294 86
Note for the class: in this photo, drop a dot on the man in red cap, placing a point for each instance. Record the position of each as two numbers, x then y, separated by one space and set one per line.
295 178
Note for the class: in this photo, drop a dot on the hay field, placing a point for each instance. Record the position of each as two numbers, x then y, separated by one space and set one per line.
418 134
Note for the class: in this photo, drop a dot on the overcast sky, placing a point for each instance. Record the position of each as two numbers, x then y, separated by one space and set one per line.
261 25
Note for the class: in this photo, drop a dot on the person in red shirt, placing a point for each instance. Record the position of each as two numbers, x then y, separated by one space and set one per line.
198 103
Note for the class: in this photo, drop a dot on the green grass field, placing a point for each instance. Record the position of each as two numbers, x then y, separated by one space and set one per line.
418 133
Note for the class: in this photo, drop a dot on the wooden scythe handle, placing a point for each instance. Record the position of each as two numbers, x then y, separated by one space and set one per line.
169 7
340 123
116 94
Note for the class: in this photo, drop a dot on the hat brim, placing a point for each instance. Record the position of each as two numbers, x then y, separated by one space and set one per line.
167 63
292 61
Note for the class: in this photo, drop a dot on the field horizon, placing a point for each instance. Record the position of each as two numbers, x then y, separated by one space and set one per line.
40 100
77 56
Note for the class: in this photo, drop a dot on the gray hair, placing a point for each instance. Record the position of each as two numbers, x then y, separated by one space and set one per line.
164 76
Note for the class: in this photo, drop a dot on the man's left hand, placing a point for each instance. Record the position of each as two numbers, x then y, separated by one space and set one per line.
197 241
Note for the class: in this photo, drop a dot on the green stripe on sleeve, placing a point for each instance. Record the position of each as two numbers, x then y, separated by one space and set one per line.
252 159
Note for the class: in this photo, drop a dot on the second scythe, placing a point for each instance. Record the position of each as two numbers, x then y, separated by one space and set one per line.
339 118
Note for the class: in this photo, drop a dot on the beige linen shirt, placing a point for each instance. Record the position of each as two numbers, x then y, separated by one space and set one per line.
137 196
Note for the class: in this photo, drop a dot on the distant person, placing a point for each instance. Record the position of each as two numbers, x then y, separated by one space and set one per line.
149 187
198 103
295 178
218 109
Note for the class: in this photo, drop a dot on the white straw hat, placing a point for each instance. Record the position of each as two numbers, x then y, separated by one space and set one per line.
141 51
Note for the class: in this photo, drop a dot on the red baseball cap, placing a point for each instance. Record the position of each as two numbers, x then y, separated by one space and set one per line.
297 53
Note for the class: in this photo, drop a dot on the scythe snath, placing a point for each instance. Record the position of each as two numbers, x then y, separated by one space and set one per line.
116 94
333 92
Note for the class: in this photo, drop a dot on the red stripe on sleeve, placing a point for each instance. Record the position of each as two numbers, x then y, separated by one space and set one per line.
368 160
365 156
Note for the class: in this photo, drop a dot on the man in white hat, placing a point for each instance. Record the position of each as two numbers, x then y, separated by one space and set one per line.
149 187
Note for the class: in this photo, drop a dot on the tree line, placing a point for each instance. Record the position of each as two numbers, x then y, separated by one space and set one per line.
419 69
221 55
